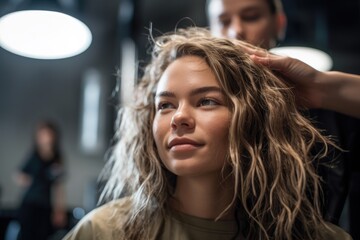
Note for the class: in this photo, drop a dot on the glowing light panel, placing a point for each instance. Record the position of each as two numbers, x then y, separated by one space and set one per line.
313 57
43 34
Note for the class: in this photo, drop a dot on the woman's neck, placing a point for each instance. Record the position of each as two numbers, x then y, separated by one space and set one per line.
204 197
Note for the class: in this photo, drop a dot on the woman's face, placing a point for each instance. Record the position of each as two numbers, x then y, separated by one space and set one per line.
192 119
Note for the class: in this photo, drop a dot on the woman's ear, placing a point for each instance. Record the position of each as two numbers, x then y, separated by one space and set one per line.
281 23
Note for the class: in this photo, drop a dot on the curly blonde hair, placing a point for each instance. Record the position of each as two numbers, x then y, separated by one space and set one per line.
276 185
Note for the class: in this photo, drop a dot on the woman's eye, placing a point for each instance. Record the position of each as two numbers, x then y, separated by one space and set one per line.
208 102
164 105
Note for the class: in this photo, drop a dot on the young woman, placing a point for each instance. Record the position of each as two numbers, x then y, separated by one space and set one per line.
212 148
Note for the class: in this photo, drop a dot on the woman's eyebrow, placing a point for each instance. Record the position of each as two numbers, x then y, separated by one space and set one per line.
195 91
205 90
165 94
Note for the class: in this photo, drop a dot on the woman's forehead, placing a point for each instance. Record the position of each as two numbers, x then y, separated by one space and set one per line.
191 71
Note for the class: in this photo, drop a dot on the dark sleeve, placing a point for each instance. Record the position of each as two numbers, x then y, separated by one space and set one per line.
28 166
57 173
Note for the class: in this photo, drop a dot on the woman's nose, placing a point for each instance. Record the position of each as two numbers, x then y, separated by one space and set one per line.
182 118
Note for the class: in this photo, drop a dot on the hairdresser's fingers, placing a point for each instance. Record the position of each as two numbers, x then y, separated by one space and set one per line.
291 67
252 50
274 62
296 72
264 57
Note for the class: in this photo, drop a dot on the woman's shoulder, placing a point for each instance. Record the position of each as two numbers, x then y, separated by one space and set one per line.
103 222
333 232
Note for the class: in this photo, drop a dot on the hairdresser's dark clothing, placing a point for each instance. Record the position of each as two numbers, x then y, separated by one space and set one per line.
350 136
36 208
333 170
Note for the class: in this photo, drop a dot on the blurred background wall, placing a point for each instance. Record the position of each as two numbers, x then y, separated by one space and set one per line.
31 89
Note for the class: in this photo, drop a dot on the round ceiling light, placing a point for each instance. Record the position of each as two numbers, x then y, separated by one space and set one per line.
313 57
43 34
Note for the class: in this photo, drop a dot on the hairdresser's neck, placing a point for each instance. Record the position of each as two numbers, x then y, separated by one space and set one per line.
204 197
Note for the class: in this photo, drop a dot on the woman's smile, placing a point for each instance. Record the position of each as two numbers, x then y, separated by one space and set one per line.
192 119
183 145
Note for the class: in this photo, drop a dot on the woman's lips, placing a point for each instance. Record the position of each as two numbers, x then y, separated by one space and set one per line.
183 144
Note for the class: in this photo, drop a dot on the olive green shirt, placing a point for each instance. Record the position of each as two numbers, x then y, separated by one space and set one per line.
99 225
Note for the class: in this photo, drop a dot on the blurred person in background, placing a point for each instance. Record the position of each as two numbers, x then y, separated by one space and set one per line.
42 208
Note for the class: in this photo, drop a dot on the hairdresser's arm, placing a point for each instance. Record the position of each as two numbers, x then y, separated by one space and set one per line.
341 92
331 90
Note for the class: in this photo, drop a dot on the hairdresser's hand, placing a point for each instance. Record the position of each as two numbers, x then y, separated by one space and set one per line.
303 77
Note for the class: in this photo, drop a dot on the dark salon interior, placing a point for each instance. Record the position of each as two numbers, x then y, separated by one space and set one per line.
81 94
